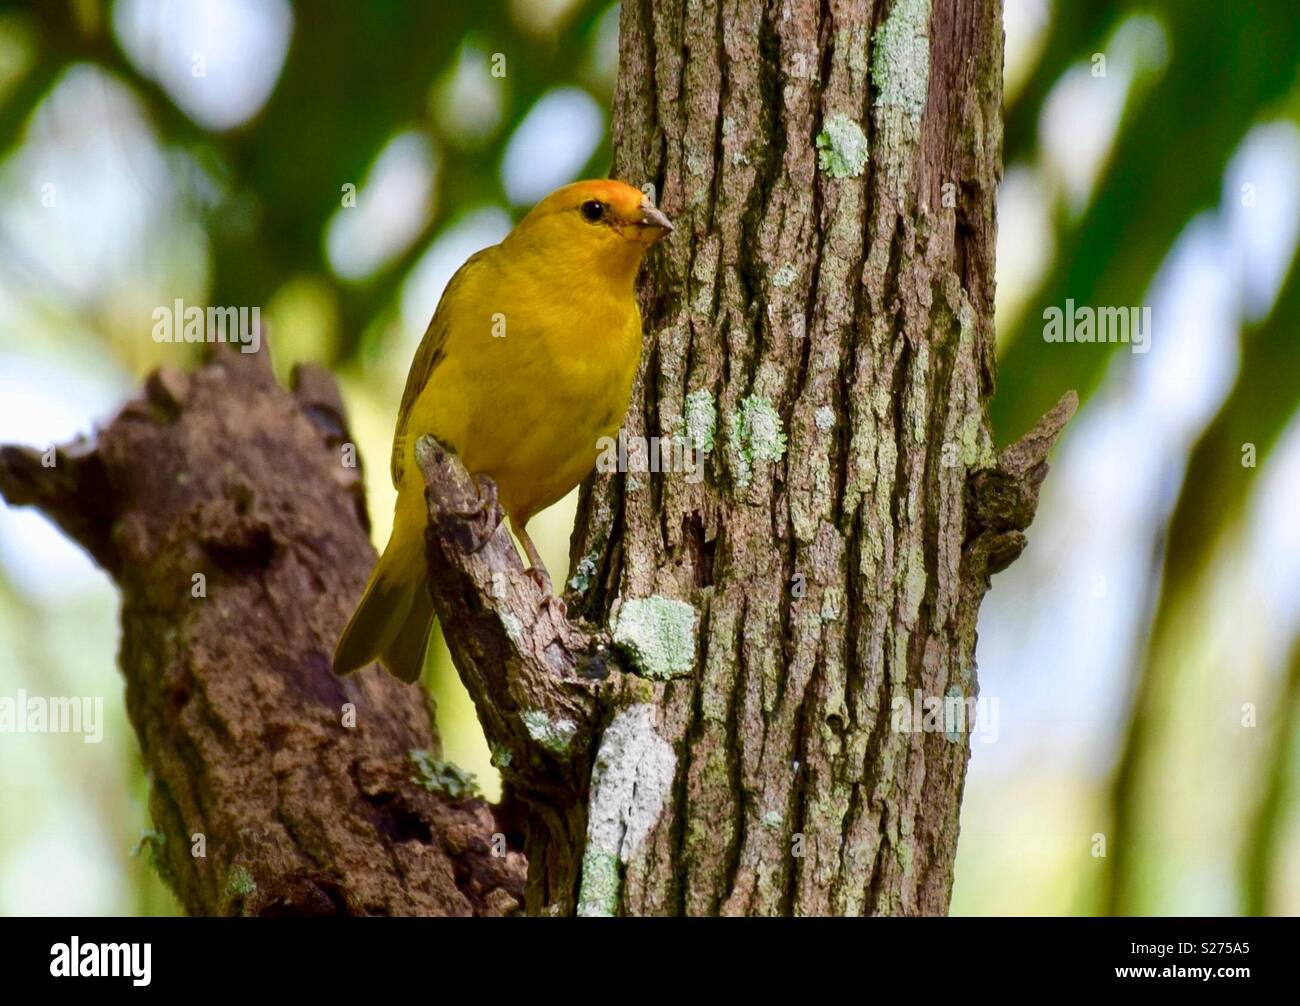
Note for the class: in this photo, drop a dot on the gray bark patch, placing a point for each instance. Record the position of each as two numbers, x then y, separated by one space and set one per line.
630 783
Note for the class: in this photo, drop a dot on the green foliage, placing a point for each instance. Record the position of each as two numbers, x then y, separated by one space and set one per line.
1229 69
1225 72
443 777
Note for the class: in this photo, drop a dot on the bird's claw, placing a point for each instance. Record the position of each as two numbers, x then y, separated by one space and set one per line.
549 601
487 492
540 577
559 611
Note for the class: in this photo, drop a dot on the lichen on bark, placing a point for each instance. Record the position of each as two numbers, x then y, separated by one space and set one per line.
840 316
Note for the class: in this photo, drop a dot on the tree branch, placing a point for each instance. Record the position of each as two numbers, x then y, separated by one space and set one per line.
220 504
539 682
1004 498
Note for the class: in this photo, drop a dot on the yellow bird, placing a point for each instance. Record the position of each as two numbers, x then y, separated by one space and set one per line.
527 363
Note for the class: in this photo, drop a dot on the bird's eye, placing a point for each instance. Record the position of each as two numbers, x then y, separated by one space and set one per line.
592 210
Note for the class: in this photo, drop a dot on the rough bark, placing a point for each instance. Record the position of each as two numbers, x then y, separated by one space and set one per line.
711 731
708 729
536 679
828 323
301 784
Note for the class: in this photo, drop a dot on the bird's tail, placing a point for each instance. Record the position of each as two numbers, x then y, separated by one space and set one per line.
393 621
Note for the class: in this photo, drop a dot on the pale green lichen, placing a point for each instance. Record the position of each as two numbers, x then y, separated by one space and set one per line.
842 148
832 604
975 447
701 419
444 777
513 628
784 276
824 418
602 883
583 573
900 65
854 42
501 756
954 725
631 780
554 734
705 834
772 819
658 633
756 434
240 882
905 847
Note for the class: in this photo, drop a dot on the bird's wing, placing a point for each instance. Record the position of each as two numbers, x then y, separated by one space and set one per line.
427 357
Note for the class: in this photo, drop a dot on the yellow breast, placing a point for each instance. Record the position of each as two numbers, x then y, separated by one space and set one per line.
530 379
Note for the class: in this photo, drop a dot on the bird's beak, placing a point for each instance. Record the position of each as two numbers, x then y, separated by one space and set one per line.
651 216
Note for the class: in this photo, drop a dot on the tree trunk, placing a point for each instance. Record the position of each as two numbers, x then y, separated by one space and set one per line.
823 317
715 727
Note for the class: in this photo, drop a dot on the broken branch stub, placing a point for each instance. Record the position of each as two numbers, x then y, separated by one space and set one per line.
535 677
1004 498
542 685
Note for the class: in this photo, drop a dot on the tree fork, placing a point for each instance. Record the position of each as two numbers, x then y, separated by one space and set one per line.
821 324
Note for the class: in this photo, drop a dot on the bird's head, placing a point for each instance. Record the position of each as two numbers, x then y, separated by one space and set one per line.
604 223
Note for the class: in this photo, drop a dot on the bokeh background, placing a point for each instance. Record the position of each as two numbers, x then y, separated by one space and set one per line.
1142 653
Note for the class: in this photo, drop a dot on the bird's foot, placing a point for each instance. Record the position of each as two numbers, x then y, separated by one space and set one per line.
487 493
540 577
557 608
550 602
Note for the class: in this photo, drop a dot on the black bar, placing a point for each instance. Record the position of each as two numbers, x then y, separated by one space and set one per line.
873 955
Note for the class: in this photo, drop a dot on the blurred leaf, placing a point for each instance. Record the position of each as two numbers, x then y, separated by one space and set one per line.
1264 398
1075 31
1262 860
1262 401
1226 66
